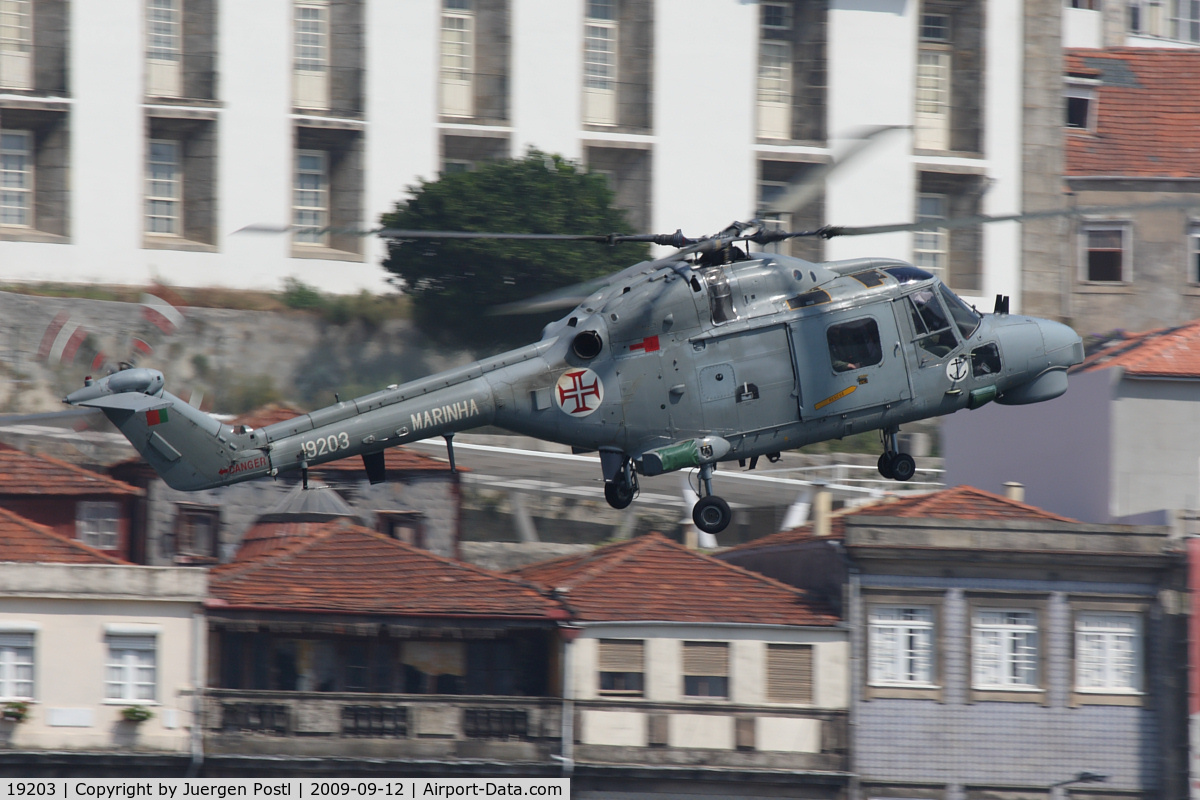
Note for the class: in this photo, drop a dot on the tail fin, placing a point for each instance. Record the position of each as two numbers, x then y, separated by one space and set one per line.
185 446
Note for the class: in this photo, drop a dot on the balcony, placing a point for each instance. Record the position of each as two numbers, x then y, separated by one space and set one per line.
391 726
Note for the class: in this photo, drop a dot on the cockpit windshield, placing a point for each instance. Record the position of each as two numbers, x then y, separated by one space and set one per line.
965 317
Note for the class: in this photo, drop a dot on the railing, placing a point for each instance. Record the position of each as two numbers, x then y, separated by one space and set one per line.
311 723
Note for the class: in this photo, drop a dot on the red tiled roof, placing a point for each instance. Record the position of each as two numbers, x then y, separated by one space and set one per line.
1164 352
337 566
25 474
959 502
27 542
395 459
1148 113
268 415
655 579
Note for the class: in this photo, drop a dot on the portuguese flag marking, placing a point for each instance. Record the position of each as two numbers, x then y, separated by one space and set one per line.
155 417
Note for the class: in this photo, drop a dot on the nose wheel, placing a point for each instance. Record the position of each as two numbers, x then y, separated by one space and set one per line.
894 465
711 514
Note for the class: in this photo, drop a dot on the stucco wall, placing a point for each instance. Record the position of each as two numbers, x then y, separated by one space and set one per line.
70 610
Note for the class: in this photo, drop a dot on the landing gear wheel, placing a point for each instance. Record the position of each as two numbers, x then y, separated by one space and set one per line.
711 514
902 466
618 494
885 466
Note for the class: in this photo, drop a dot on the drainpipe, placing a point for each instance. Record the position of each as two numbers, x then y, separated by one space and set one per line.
198 631
569 634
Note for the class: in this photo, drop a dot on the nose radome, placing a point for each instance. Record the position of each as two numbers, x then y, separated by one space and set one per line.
1064 347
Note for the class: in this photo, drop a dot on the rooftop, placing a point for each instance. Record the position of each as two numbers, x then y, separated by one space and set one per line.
27 542
27 474
337 566
1147 113
1163 353
652 578
959 502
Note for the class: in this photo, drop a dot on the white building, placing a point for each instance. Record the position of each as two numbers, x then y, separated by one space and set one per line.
142 137
84 639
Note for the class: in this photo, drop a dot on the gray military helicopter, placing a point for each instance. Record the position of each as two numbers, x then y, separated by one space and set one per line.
705 356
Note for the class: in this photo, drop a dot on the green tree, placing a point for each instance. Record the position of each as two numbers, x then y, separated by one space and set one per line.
454 282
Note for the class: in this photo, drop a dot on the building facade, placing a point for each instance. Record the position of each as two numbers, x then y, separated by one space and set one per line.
210 142
85 638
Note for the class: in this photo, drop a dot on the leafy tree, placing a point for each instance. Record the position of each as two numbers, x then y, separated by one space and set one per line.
454 282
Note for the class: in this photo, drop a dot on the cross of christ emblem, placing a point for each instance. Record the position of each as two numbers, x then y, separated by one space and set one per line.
579 392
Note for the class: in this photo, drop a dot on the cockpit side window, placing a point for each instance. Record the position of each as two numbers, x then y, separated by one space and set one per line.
720 296
965 317
931 324
854 344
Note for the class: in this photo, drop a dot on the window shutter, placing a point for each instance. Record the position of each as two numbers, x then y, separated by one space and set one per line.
789 673
10 639
709 659
621 655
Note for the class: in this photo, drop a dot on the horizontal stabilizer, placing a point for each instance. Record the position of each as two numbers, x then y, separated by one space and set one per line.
127 402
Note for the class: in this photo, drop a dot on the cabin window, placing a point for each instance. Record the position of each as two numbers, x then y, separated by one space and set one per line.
931 324
965 317
985 360
855 344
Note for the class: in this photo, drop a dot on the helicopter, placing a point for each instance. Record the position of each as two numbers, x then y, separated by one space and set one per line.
709 355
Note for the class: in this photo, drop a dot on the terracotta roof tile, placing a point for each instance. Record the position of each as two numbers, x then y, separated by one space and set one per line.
395 459
1164 352
1147 113
338 566
26 474
959 502
25 541
268 415
654 578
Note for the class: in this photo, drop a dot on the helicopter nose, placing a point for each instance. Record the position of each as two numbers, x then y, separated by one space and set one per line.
1064 347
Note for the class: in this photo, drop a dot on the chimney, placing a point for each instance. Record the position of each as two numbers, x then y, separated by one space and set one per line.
822 508
1014 491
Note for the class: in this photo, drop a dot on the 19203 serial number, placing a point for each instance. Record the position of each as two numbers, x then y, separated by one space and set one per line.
326 444
32 789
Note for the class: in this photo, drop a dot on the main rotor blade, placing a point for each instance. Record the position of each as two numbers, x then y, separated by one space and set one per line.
831 231
803 191
676 239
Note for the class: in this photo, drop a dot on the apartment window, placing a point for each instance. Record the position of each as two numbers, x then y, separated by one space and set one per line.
311 54
774 89
1146 17
777 16
935 28
310 199
16 179
164 192
196 533
600 63
1185 20
933 99
132 669
1080 107
900 639
706 669
789 673
622 667
164 48
1193 250
1005 649
97 523
16 666
16 44
1108 652
931 249
458 55
1105 253
404 526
